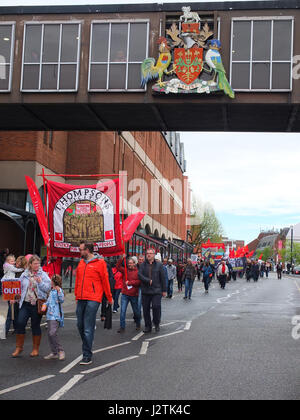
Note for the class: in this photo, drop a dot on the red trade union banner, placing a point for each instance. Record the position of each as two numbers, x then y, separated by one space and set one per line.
11 288
189 64
209 244
84 213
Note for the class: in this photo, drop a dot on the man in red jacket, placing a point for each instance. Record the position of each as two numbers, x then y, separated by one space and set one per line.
130 292
91 282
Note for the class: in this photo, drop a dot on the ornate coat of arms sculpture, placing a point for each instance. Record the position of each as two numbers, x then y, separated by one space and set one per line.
189 60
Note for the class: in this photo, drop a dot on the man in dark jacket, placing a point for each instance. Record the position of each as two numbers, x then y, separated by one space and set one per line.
152 276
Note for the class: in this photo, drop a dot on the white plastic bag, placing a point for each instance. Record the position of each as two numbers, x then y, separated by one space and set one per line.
2 328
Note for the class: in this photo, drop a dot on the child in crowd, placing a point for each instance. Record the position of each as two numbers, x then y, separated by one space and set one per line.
11 270
55 318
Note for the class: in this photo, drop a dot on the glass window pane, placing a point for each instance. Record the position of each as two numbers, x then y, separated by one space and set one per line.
100 42
138 41
69 43
67 78
119 34
5 43
98 76
4 77
33 43
240 76
117 76
241 42
49 76
31 77
51 43
134 76
261 40
282 38
281 76
261 76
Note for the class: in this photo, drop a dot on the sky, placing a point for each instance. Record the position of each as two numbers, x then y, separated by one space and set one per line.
251 180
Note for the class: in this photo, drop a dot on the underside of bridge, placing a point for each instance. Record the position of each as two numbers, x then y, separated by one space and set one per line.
179 116
87 67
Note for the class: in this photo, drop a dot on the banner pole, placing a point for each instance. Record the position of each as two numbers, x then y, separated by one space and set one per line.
46 210
122 233
12 306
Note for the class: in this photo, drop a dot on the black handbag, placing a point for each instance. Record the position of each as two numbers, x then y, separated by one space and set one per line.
108 317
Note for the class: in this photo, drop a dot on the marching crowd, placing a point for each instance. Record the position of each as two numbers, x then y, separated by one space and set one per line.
141 282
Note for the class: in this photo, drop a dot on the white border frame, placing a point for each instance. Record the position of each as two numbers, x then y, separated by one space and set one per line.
107 63
271 61
12 52
58 63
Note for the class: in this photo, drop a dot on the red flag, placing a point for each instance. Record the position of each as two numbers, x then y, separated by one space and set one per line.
130 224
260 257
38 207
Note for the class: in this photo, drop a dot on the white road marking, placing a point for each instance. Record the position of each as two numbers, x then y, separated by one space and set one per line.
111 347
163 336
35 381
169 323
66 388
109 365
137 336
78 359
187 326
144 348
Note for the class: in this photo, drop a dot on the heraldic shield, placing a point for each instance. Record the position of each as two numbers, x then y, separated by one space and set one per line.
188 64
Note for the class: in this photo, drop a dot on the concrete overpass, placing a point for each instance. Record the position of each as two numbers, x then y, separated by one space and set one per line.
61 68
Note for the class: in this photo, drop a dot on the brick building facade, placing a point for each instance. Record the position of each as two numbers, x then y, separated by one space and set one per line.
153 161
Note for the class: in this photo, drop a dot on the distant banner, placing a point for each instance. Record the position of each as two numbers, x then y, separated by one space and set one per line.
214 251
237 264
84 213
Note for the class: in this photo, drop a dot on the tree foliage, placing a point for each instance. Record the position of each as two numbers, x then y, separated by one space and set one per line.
267 253
205 224
288 254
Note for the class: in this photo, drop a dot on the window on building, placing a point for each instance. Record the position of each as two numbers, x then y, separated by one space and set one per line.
117 50
262 54
51 57
6 55
14 198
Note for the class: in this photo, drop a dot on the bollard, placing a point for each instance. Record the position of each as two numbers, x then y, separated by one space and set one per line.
2 328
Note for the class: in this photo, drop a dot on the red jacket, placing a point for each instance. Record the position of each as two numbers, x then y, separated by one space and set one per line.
53 267
134 282
92 281
118 277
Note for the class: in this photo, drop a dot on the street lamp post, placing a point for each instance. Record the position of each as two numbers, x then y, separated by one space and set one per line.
292 235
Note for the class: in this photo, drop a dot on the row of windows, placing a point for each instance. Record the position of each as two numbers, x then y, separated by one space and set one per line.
261 55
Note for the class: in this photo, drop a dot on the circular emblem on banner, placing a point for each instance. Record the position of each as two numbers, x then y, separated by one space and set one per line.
83 221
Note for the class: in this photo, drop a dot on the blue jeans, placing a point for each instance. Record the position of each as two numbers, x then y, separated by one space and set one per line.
86 313
116 293
170 288
29 311
8 317
188 287
134 304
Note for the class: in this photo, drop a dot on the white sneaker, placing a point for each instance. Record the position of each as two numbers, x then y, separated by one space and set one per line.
51 356
61 355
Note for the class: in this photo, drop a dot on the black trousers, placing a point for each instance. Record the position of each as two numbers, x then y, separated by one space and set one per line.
155 300
223 279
